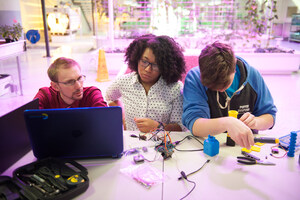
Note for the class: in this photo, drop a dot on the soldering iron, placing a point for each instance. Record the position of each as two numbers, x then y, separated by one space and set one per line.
267 140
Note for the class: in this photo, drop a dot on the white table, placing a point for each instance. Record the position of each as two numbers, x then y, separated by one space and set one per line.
221 178
106 179
224 178
12 49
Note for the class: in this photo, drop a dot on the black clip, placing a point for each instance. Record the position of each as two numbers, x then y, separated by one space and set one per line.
250 155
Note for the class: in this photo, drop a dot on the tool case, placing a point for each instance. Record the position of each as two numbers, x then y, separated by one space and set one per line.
50 178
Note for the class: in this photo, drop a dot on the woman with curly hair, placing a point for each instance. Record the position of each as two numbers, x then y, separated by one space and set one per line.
152 94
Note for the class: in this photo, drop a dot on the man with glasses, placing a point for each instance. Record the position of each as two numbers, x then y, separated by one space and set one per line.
152 93
66 90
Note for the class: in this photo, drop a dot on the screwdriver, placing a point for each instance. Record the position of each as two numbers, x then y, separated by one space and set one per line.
267 140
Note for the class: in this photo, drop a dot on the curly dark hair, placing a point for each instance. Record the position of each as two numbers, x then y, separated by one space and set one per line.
168 55
217 63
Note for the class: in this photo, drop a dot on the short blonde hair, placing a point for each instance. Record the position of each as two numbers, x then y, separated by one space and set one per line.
61 62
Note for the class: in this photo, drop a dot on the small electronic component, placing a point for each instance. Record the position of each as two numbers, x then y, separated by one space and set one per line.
257 149
165 150
131 151
259 144
250 155
145 149
138 159
142 137
134 136
275 151
246 150
285 141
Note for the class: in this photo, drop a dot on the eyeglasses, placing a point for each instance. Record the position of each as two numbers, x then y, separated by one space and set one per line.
145 64
73 81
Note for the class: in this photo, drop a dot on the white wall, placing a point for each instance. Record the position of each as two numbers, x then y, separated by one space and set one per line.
31 12
282 8
10 11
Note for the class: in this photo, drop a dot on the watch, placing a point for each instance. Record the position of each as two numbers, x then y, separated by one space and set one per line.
161 125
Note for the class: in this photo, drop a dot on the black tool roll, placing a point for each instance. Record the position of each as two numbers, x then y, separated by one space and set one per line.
50 178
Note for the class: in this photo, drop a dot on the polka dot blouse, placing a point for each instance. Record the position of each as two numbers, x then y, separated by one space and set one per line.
163 102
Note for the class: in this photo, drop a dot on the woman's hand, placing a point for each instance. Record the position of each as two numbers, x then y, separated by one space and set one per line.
146 124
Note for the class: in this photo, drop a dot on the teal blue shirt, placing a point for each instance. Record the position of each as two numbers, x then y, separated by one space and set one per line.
235 84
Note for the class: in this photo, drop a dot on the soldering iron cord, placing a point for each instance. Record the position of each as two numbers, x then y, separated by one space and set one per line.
181 177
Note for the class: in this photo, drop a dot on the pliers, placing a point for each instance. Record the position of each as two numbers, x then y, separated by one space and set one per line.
252 161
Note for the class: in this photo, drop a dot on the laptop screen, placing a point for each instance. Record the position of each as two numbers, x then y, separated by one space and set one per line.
14 140
76 132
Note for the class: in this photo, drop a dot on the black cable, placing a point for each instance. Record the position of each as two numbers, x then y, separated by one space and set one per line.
185 177
188 150
196 139
189 137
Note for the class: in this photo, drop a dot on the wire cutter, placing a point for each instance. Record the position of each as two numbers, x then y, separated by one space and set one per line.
252 161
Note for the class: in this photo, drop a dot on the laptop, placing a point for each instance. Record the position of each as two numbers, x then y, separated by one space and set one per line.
76 132
14 140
